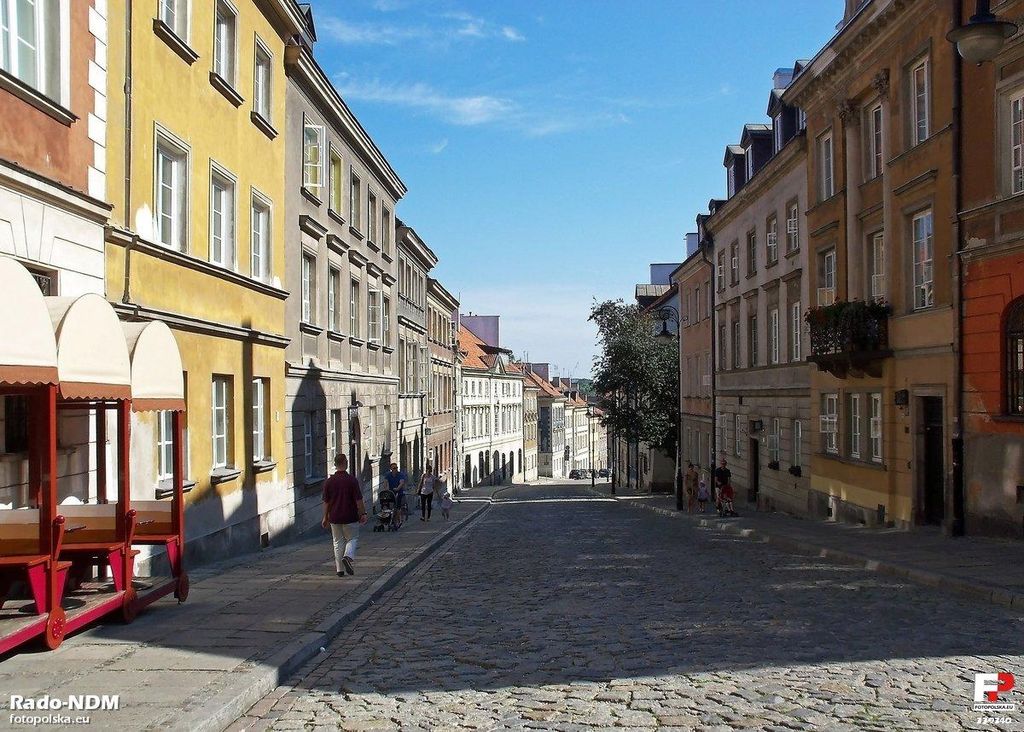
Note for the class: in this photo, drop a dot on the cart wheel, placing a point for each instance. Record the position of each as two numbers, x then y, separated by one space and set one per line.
181 590
129 605
55 628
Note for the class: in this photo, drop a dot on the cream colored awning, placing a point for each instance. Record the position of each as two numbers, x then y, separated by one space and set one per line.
92 356
157 381
28 350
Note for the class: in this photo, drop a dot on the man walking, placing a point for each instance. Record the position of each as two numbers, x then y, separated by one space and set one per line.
343 512
723 477
396 482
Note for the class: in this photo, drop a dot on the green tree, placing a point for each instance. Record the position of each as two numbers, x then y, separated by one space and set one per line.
636 375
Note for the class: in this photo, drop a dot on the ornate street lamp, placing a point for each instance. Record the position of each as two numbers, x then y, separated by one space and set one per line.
984 35
665 314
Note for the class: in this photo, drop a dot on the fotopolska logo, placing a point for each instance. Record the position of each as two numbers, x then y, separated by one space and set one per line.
989 689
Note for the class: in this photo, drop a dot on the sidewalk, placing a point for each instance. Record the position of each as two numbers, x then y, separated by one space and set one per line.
991 570
248 623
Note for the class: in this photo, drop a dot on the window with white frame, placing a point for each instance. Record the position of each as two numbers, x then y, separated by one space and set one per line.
313 158
261 82
826 172
308 285
335 444
877 266
337 181
874 134
924 294
371 216
373 314
333 291
221 421
875 427
385 320
355 200
354 305
773 335
855 424
259 256
165 445
919 102
1017 144
829 420
30 44
174 14
720 272
771 239
385 230
737 431
222 219
774 452
224 42
751 252
308 465
259 419
793 227
795 331
171 194
734 263
777 130
827 277
796 458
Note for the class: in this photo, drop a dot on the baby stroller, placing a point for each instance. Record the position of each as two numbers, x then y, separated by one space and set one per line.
725 498
387 517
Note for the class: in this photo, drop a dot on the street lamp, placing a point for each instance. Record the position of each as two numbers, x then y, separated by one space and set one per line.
984 35
590 440
668 313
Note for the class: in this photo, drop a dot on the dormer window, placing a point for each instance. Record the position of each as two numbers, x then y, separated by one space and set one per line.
777 130
749 157
732 180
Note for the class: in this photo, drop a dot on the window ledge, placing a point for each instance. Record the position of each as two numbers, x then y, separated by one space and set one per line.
387 257
223 475
310 328
356 341
166 34
263 124
751 275
335 336
858 462
165 488
37 99
315 481
336 216
770 265
793 253
310 196
372 245
263 466
373 345
224 87
355 232
388 349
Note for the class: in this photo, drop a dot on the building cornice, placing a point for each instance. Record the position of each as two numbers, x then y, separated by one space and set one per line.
200 325
302 371
25 181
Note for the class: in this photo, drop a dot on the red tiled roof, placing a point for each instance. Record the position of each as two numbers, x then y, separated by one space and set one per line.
543 385
476 357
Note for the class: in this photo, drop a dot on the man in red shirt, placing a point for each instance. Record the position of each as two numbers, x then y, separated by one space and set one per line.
343 512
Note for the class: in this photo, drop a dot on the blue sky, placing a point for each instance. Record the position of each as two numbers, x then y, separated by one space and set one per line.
553 149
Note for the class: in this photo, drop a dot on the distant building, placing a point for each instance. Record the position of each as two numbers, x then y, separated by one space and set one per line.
550 423
442 447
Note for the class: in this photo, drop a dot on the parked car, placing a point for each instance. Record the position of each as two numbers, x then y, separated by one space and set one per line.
574 474
603 473
585 473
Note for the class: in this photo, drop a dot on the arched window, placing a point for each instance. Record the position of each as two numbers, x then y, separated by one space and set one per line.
1015 358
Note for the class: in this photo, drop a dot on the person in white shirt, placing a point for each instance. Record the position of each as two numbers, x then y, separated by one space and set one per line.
426 491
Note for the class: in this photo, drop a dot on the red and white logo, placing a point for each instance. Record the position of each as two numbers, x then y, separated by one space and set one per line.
989 689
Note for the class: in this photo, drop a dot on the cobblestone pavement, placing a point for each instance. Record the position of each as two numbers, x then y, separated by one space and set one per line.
583 614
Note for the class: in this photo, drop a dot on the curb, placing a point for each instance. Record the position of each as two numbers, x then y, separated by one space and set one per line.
964 588
215 713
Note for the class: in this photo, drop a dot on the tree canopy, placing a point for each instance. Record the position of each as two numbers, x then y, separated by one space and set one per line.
636 375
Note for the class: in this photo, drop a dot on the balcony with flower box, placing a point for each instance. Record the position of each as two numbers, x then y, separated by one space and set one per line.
850 339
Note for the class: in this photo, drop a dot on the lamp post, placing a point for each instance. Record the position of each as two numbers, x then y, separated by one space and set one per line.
590 441
983 36
666 314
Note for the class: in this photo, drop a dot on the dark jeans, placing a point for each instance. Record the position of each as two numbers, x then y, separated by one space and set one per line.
426 504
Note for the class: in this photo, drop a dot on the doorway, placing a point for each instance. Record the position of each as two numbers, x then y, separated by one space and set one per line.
933 468
754 477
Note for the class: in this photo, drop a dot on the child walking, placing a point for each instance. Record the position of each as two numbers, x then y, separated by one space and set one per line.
703 495
446 504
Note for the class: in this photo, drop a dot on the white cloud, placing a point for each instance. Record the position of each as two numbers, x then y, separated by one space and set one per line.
355 34
459 110
438 147
455 26
512 34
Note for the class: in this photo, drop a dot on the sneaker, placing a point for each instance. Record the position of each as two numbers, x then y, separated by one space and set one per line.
341 574
422 518
347 561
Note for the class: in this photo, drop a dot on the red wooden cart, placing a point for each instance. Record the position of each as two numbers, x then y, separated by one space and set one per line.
74 354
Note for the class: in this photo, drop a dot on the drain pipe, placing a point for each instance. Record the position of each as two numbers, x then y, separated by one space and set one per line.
957 527
126 295
714 353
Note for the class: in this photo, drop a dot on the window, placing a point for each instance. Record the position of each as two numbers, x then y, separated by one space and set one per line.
773 441
777 130
720 272
734 263
829 422
827 276
259 419
224 43
385 230
877 266
795 331
752 340
722 360
773 335
174 14
924 295
308 287
385 320
165 445
875 428
771 239
874 142
30 43
333 289
919 102
337 182
737 442
371 216
373 314
751 252
353 309
222 220
855 425
307 445
1015 358
354 200
798 443
262 77
826 181
735 344
731 183
312 158
221 418
748 159
259 262
793 227
171 194
336 434
1017 144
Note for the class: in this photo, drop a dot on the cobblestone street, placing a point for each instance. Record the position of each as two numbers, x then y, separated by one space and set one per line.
580 613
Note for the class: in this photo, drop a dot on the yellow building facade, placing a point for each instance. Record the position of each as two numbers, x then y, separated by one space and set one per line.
195 171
